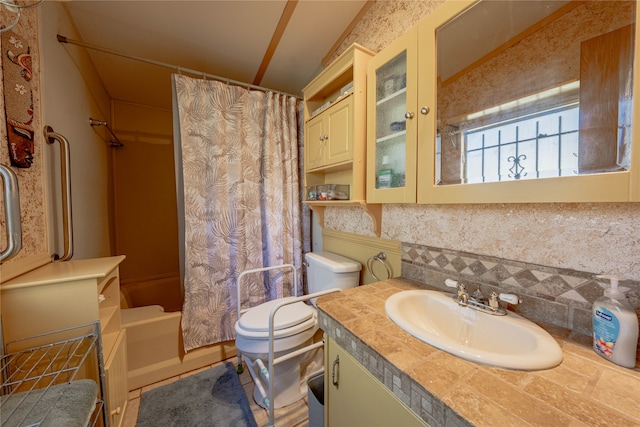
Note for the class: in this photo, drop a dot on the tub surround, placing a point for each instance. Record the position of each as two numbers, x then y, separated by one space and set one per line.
445 390
155 349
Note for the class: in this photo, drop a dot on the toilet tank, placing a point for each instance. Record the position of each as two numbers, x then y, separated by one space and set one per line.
326 270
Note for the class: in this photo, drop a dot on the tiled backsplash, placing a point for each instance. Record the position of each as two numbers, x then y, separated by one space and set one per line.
549 295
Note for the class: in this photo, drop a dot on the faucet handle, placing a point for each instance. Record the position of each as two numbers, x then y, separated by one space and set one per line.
493 300
510 298
462 289
451 283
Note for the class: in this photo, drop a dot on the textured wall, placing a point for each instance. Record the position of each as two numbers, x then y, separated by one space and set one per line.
586 237
385 21
71 93
30 180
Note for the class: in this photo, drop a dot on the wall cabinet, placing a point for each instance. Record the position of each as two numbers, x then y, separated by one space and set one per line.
427 155
330 135
63 295
335 132
355 398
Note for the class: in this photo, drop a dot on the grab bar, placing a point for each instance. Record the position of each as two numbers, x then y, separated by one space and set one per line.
65 172
259 270
272 359
11 197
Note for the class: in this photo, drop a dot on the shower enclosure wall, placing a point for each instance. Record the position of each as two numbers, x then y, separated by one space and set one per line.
146 231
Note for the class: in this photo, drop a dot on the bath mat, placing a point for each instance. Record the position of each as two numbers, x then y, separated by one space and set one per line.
211 398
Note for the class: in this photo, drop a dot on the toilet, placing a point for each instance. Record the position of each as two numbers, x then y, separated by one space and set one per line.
294 327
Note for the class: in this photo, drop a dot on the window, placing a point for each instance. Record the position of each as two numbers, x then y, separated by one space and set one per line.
537 146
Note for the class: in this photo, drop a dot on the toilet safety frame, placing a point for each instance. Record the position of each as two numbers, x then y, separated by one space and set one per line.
267 372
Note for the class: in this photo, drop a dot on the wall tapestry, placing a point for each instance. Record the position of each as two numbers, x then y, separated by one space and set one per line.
18 99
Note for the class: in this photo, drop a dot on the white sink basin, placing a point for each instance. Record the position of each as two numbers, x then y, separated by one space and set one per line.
509 341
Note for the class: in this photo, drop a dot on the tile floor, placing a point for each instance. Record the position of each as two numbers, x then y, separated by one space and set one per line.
295 415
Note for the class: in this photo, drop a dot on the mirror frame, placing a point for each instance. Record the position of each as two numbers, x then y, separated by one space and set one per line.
605 187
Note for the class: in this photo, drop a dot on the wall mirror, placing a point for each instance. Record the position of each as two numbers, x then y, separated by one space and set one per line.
534 89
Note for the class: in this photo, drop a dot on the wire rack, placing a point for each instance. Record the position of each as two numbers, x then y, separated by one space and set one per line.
54 379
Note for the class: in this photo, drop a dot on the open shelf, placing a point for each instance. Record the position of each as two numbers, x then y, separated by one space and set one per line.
335 132
373 209
53 376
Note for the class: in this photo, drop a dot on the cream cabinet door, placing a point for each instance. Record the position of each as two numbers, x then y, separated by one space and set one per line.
392 121
329 137
316 142
355 398
116 373
340 124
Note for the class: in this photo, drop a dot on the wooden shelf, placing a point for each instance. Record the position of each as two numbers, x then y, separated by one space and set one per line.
373 209
63 295
335 138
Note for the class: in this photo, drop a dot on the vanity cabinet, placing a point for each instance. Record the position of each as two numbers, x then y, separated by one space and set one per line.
353 397
62 295
335 133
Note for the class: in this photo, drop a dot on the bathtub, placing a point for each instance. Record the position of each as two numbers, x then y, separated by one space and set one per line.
154 345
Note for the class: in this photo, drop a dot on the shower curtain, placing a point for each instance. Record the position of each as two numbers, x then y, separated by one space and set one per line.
237 172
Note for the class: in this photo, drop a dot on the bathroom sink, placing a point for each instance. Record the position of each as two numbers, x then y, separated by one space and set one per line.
510 341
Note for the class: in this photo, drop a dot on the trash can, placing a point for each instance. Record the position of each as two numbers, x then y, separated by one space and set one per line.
315 397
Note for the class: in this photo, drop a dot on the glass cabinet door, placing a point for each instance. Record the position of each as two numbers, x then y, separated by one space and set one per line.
391 147
391 132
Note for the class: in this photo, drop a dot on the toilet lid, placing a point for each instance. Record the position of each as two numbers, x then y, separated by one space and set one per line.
257 318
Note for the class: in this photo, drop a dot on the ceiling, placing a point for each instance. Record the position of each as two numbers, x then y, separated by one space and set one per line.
224 38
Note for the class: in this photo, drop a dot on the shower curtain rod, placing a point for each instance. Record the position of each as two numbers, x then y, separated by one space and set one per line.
64 39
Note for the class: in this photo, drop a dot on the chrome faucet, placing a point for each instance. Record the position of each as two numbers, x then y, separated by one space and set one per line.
478 296
477 301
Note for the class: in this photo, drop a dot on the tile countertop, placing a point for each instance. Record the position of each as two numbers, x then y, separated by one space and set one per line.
446 390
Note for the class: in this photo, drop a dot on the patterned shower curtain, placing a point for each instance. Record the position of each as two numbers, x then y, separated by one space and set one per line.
237 172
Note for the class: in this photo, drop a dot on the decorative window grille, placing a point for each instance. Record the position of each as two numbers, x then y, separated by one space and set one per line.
535 146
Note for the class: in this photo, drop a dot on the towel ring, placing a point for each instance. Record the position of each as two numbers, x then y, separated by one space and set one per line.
381 257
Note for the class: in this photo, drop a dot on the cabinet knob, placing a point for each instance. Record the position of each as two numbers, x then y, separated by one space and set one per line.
116 411
408 115
424 110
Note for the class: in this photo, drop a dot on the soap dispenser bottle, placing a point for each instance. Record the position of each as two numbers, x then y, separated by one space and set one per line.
615 326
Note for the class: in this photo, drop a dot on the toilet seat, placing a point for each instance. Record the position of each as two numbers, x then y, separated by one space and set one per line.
289 320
